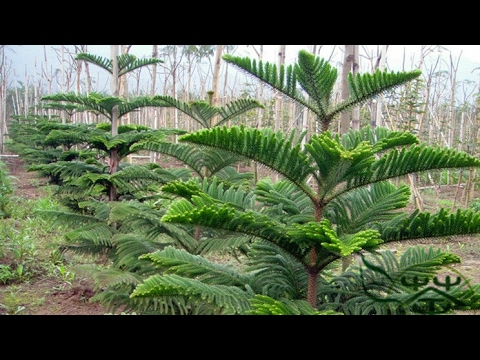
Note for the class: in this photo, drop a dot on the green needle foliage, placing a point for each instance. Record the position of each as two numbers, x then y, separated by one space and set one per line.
335 198
311 82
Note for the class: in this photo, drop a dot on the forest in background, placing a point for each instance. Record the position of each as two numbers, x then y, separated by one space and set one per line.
437 107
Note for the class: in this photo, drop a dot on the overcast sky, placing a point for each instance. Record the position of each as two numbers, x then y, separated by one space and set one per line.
399 57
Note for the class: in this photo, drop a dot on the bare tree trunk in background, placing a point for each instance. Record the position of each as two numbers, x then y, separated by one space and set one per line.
114 88
470 186
225 84
350 64
35 94
189 82
312 125
62 87
451 108
258 124
277 95
46 75
123 81
3 98
89 77
344 93
424 52
461 137
123 91
17 101
378 102
25 97
356 109
78 88
216 75
174 91
153 110
420 117
83 117
260 96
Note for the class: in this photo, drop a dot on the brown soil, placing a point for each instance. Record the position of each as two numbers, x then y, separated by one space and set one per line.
45 296
52 296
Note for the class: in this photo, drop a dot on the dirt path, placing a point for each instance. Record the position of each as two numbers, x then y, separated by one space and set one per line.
50 295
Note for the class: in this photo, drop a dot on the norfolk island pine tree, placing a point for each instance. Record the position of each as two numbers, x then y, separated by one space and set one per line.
335 198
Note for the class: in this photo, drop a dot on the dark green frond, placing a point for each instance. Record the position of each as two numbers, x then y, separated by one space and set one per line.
275 150
364 87
105 142
264 305
228 300
143 219
414 159
222 244
68 108
283 79
180 262
224 216
100 61
67 171
98 236
229 175
357 210
126 62
129 248
92 102
200 111
113 287
317 78
135 178
186 153
236 108
277 273
75 134
196 158
129 62
425 225
139 102
62 218
171 174
284 199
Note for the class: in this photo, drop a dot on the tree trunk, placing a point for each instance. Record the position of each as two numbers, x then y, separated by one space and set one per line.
47 76
378 102
3 98
114 88
123 92
350 64
174 90
278 98
216 75
345 117
153 110
356 109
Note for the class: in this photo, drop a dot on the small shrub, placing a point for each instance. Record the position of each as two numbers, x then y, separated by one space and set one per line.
6 189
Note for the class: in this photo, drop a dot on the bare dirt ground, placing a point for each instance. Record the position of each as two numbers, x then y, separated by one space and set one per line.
51 296
46 296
